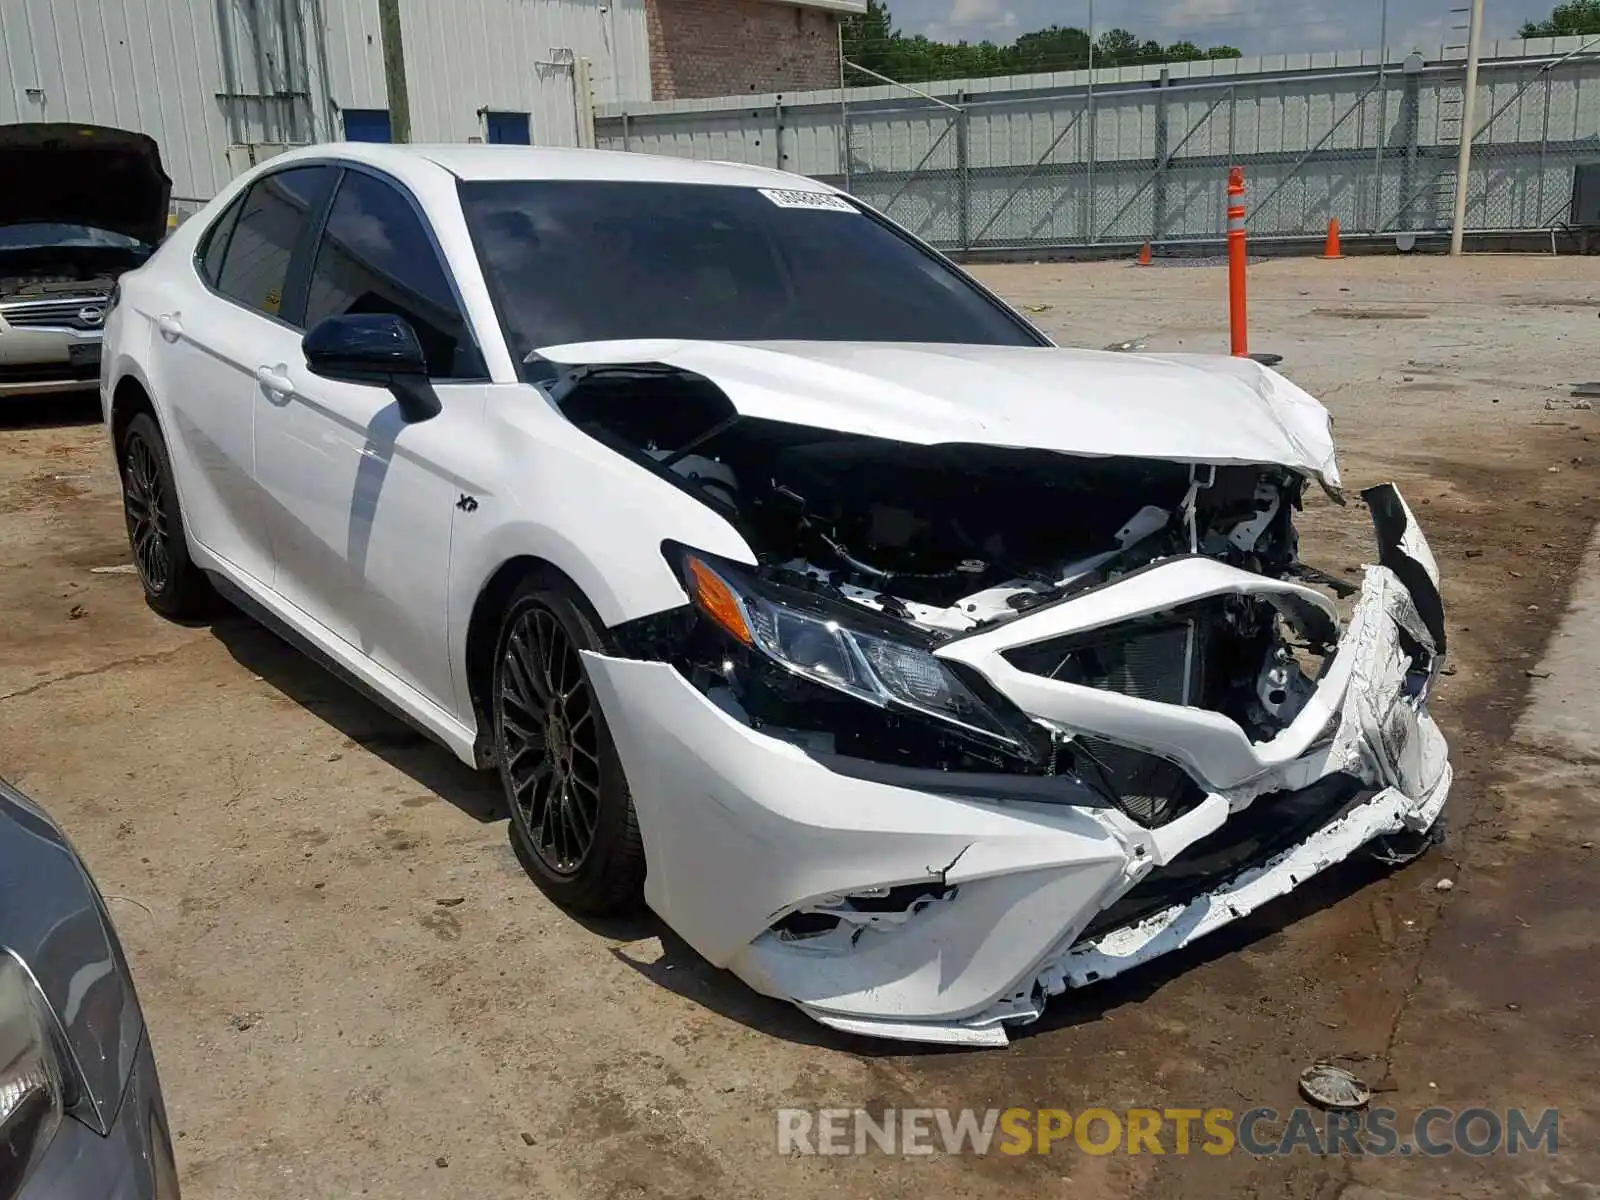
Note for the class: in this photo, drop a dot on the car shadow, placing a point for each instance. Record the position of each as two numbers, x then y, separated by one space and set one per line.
327 697
50 410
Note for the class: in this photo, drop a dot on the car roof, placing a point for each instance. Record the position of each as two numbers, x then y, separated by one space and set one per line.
484 162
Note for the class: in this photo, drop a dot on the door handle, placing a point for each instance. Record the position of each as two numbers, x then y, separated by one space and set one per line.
171 328
273 379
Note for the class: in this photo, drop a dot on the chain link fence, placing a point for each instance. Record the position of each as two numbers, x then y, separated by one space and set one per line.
1145 159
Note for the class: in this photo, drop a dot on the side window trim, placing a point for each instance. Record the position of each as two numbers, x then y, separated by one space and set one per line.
228 219
349 168
303 259
244 196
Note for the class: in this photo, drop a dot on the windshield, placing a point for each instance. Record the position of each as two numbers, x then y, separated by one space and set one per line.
41 235
580 261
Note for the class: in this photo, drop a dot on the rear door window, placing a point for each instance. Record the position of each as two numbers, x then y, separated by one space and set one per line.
278 211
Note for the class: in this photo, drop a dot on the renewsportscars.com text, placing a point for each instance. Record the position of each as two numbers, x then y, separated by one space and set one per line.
1179 1131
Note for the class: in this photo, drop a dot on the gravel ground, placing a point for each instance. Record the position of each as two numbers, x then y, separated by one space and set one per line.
353 989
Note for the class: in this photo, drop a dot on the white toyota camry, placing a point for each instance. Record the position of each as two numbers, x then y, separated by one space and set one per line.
909 666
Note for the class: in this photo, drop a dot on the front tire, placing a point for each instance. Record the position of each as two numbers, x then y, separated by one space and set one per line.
572 818
173 585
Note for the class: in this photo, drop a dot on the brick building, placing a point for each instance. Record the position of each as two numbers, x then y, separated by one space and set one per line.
704 48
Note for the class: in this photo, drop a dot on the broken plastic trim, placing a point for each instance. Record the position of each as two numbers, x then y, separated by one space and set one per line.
850 915
1393 523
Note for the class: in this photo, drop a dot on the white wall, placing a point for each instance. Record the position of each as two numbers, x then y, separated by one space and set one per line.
499 54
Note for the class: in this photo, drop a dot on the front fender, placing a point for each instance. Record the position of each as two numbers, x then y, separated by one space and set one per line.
550 492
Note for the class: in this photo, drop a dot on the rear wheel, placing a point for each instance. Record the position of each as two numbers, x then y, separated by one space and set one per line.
571 816
173 585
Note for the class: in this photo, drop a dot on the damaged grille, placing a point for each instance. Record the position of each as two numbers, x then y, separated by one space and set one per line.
1159 662
1151 790
1225 654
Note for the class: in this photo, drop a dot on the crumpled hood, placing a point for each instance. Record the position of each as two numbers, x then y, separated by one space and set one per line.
1177 407
84 175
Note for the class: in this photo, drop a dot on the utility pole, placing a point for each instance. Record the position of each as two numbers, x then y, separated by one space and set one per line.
394 70
1469 99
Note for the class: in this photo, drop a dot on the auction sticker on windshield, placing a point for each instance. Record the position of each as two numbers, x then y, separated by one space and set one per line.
822 201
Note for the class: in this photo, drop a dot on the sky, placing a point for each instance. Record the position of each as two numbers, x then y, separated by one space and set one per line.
1254 26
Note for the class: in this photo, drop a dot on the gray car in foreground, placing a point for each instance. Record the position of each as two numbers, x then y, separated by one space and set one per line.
81 1115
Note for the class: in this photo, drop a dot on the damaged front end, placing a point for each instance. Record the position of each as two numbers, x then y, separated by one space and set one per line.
979 723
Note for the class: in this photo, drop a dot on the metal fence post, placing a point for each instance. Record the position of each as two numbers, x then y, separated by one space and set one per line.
963 176
777 134
1088 202
1410 108
1544 141
1379 135
1159 198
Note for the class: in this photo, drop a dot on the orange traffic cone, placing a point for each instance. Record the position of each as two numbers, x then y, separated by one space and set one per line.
1330 249
1144 255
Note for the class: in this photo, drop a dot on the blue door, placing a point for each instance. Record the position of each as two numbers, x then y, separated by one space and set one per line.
367 125
508 128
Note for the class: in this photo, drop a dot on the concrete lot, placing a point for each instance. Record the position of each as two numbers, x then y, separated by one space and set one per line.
353 989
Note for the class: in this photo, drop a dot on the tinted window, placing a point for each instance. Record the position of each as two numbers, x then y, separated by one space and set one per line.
277 209
573 261
216 242
376 257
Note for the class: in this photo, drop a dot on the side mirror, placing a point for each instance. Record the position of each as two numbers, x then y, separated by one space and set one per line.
375 348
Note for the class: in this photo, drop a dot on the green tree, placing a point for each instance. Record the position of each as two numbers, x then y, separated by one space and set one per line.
869 37
1570 19
1057 48
872 41
1116 48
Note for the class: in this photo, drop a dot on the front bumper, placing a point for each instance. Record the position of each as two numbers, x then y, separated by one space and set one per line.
45 360
1008 882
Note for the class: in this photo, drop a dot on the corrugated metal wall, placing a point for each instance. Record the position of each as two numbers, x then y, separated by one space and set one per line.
516 56
202 76
1039 161
109 62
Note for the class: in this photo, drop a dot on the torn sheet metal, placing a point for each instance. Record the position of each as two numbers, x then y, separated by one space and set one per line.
750 862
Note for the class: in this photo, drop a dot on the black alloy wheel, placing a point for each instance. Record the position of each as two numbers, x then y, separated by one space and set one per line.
173 585
572 818
142 499
552 745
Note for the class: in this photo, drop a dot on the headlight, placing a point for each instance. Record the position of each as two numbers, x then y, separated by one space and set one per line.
32 1091
830 649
